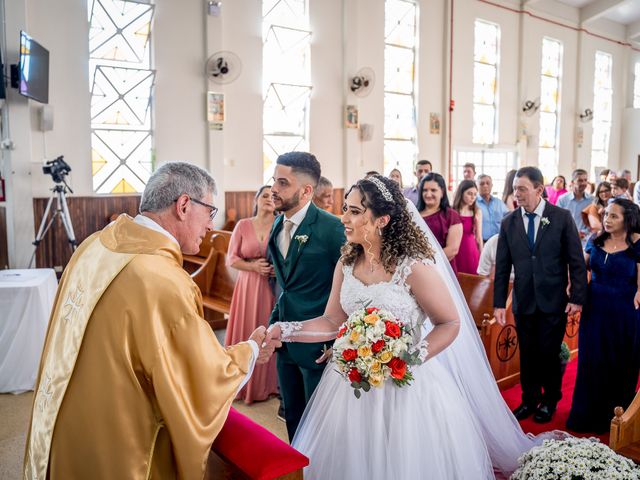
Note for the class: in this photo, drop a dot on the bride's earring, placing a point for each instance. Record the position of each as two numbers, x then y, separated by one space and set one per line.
372 261
379 231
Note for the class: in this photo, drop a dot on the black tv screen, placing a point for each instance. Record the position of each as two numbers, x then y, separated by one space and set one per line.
34 69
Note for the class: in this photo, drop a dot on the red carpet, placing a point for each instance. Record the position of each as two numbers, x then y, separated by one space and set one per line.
513 397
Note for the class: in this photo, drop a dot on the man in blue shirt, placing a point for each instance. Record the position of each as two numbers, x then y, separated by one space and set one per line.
576 201
493 209
422 168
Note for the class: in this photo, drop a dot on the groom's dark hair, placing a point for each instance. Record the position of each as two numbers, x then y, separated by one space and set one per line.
532 173
302 162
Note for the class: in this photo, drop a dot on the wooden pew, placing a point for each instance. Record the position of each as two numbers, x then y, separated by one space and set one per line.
624 436
216 280
500 342
191 263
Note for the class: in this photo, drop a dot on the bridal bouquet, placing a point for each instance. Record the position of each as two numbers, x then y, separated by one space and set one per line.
373 346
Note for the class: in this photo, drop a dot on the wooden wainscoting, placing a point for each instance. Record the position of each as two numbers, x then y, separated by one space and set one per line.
242 202
88 215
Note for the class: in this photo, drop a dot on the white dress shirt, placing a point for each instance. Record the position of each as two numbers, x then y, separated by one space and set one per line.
536 221
296 219
145 221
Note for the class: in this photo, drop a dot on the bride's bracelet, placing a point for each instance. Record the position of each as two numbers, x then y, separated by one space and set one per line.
288 330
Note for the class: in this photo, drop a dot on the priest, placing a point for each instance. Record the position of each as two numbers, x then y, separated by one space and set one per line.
133 383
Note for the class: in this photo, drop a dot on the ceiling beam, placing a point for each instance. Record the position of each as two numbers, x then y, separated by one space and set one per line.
597 9
633 31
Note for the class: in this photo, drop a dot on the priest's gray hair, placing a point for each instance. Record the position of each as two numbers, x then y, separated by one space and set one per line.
172 180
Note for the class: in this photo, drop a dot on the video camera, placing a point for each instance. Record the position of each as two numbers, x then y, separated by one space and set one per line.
57 168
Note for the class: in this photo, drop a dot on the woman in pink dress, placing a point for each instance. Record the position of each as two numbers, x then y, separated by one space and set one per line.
464 202
444 221
557 188
253 300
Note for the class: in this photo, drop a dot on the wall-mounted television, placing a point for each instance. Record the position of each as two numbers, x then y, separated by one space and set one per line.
33 69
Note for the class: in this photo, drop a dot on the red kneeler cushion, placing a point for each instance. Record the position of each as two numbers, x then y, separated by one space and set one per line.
255 450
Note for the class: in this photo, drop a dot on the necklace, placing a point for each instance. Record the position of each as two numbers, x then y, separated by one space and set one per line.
614 247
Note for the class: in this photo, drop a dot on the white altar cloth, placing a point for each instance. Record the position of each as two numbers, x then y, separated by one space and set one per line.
26 298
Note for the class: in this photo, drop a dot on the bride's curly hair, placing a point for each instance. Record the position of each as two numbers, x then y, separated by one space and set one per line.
401 237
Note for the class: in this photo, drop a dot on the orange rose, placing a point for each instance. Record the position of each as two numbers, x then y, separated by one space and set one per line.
350 354
392 329
398 368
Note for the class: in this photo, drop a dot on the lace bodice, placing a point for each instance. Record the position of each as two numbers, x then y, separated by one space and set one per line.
393 295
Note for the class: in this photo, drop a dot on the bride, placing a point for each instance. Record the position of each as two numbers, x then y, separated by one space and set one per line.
451 422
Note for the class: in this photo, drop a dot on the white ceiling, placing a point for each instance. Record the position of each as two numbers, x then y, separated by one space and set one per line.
625 12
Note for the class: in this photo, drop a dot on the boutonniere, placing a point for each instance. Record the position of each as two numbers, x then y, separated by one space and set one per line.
302 239
544 221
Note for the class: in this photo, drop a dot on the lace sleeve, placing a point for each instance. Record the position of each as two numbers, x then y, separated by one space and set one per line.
319 329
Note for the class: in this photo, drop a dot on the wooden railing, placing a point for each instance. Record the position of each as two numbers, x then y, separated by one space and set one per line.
624 435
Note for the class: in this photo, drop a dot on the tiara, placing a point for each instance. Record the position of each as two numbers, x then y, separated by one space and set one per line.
382 188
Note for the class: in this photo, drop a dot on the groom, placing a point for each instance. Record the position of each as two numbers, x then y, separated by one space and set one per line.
542 244
305 246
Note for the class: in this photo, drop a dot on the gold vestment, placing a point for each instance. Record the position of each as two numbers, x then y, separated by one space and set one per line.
151 386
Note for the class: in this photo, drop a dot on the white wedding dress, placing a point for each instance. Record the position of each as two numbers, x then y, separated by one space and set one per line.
422 431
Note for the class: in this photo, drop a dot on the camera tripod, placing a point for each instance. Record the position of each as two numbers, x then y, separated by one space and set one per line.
59 194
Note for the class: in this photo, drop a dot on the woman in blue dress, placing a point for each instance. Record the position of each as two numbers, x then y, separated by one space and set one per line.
609 343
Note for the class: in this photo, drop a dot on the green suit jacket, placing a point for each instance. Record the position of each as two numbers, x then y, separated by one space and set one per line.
305 276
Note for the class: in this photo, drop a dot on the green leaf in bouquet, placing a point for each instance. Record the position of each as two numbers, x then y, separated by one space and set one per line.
357 393
412 358
355 385
366 386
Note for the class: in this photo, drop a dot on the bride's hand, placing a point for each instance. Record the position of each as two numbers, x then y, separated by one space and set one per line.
327 353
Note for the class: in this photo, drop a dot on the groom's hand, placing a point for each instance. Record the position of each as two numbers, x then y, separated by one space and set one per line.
327 353
501 315
267 347
572 309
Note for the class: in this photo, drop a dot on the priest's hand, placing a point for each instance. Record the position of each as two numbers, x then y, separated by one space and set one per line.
258 335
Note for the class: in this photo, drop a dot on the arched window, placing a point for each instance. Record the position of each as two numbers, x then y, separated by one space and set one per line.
399 86
549 107
286 73
486 56
602 100
121 82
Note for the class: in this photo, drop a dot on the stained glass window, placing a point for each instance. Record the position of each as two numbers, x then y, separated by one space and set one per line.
399 86
121 82
486 54
636 86
286 74
602 100
549 107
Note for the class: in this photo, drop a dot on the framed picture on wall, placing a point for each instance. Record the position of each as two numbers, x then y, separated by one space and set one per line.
215 108
351 116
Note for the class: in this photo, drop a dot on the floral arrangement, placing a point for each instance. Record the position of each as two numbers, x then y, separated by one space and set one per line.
565 353
574 459
373 346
